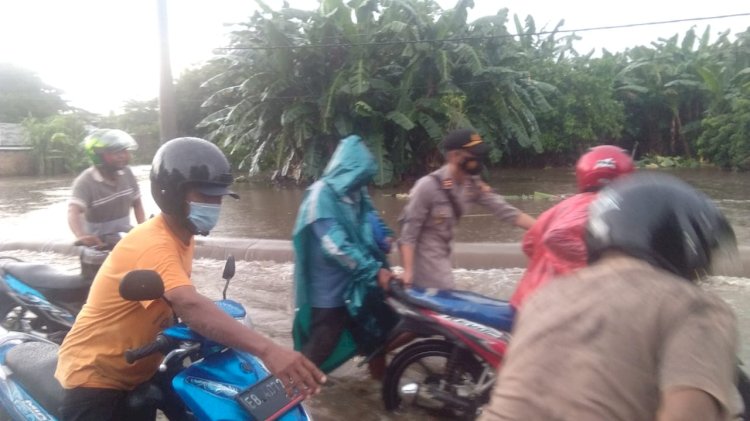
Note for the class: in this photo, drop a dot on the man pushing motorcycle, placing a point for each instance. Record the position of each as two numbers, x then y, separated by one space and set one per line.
189 178
105 192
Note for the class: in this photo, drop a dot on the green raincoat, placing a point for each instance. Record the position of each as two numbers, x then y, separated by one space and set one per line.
354 249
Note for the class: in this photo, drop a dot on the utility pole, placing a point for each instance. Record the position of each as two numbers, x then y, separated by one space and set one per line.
167 108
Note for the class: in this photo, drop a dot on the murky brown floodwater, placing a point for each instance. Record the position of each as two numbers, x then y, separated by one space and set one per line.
265 288
35 208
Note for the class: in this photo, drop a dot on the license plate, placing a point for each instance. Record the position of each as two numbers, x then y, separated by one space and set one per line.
267 400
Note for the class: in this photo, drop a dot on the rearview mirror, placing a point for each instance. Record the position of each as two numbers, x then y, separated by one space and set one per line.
228 274
228 268
141 285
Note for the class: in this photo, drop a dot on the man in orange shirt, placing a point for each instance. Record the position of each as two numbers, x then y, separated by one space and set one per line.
189 177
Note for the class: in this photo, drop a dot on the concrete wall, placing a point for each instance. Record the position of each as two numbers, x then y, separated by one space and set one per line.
466 255
16 161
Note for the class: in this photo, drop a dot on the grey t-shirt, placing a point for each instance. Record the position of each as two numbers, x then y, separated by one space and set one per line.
604 342
106 204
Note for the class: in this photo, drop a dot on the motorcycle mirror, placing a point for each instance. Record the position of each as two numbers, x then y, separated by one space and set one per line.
228 268
228 274
141 285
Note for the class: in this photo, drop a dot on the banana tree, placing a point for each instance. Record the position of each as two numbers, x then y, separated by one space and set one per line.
398 72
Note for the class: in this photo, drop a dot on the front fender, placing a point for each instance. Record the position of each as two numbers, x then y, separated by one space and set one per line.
208 387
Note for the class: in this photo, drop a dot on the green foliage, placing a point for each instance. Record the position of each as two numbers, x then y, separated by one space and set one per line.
381 74
23 95
667 89
584 111
57 137
657 161
140 119
190 94
726 129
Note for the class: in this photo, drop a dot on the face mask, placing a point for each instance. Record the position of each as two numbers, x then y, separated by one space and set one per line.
471 166
203 216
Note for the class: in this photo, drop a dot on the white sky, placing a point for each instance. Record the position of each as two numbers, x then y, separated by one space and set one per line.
103 52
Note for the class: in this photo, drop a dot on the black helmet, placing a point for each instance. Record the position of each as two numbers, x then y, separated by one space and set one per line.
660 219
188 161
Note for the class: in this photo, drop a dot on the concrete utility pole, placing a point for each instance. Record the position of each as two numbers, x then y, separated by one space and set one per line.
167 108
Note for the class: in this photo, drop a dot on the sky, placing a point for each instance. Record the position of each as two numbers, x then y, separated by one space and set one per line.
102 53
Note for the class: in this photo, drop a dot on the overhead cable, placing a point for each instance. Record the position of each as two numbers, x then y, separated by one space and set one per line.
483 38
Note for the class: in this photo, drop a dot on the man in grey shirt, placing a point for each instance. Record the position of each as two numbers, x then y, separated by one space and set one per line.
436 203
104 193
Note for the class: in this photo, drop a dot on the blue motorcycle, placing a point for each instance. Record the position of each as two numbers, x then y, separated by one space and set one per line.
198 379
38 299
43 301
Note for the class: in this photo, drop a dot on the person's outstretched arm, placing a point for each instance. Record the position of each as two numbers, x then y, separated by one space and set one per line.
496 203
203 316
524 221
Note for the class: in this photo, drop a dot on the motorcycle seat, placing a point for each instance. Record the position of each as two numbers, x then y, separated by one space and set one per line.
33 366
37 275
466 305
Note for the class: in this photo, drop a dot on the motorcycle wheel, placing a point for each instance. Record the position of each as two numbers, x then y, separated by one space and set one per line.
421 368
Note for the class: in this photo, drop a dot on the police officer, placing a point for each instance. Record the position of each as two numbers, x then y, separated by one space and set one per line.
436 203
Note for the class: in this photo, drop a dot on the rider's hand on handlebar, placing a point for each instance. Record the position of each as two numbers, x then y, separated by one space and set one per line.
294 370
406 277
89 241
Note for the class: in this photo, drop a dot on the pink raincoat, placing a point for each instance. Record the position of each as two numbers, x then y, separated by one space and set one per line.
555 245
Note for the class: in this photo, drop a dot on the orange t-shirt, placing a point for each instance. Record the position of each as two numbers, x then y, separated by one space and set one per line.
92 354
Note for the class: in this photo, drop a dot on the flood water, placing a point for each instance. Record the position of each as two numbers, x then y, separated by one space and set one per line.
265 288
34 208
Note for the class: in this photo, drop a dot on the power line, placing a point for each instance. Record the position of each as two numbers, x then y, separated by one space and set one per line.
488 37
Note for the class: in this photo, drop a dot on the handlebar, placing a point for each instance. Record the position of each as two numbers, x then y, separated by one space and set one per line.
397 291
160 344
108 241
102 247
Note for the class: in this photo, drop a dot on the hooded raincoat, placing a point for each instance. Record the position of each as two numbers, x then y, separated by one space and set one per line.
340 198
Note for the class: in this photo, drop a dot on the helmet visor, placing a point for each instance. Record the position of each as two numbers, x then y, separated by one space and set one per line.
216 190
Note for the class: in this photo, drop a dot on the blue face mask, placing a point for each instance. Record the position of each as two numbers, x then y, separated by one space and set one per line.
204 216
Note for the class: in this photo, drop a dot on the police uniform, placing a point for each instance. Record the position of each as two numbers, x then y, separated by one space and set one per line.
435 205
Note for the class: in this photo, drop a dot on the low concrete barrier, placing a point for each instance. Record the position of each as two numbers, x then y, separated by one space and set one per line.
465 255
